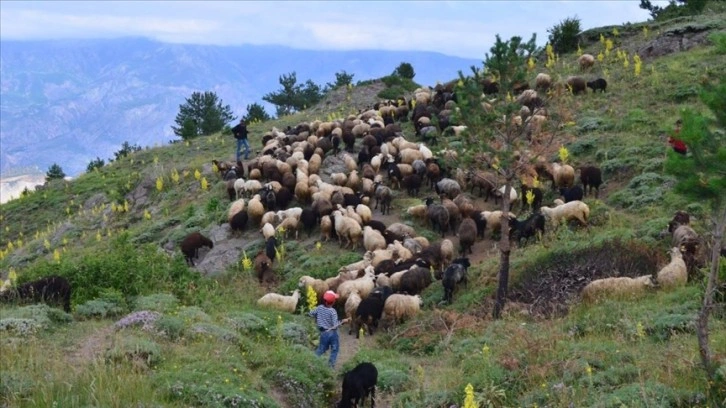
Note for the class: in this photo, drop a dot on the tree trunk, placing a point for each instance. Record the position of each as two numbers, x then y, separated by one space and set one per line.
702 321
504 248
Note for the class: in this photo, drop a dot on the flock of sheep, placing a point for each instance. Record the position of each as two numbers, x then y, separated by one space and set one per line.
380 161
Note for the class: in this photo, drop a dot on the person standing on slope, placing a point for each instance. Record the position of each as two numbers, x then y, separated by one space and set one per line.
326 319
240 133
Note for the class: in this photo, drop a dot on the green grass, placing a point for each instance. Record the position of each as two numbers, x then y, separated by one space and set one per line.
214 347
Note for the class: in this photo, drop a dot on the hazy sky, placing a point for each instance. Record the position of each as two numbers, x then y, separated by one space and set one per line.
460 28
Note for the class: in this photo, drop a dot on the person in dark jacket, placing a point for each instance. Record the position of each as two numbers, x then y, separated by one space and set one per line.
326 318
678 145
240 133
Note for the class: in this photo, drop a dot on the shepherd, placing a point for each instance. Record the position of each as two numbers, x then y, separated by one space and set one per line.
240 133
326 319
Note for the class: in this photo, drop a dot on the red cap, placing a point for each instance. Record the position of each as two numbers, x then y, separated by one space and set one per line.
330 296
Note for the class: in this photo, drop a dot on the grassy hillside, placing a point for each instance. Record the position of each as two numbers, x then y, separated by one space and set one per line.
115 233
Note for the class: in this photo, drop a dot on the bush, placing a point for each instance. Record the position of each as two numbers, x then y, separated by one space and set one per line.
132 348
30 319
98 309
563 36
160 302
170 326
202 330
247 323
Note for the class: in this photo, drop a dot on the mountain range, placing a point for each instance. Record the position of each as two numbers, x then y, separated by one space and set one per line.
68 102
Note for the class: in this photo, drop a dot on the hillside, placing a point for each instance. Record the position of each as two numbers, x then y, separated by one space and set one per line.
87 97
115 234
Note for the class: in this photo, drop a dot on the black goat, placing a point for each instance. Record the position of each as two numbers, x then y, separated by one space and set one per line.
591 177
358 383
599 84
572 194
527 228
453 275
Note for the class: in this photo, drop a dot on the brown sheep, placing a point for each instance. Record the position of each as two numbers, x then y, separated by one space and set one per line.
191 244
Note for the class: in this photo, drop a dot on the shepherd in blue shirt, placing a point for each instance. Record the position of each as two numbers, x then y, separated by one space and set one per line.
327 321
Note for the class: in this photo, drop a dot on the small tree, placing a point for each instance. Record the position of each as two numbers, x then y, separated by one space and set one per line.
405 70
126 149
54 172
342 78
294 97
701 177
95 164
675 8
256 113
507 60
201 114
563 36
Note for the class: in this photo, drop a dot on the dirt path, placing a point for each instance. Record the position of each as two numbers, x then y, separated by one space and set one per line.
90 348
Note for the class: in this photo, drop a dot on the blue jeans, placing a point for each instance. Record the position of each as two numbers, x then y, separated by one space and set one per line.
243 143
329 339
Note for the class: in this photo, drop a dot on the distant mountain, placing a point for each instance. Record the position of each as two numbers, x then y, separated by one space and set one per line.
68 102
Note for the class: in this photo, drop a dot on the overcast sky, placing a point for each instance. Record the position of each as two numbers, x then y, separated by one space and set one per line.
460 28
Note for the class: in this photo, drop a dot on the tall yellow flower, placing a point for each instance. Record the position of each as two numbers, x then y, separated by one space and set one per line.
311 297
204 183
469 401
56 255
564 154
197 174
159 183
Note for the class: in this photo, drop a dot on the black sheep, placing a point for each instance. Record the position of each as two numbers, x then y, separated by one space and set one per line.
591 177
572 194
283 197
415 280
527 228
263 267
52 290
351 200
377 225
406 265
190 246
481 223
438 215
269 199
453 275
239 221
467 235
271 248
599 84
363 156
358 383
394 174
368 314
308 219
412 183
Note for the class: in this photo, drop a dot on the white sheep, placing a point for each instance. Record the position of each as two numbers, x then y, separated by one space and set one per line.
674 274
574 210
239 187
372 239
255 209
288 225
401 229
268 231
364 212
351 304
347 228
586 61
616 287
318 285
234 208
363 285
280 302
418 211
252 187
399 307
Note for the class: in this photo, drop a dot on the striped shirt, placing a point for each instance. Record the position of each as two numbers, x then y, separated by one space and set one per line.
325 317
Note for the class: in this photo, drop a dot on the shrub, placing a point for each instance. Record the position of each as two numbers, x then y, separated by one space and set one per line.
159 302
98 309
247 323
43 315
563 36
201 330
21 327
170 326
132 348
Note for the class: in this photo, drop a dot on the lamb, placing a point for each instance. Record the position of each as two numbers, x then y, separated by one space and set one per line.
191 244
568 211
373 239
454 275
358 383
467 235
438 215
399 307
280 302
674 274
263 266
52 290
586 61
318 285
599 84
616 287
591 177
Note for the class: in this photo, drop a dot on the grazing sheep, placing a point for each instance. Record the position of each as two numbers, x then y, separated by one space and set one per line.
484 181
364 212
467 235
191 244
363 285
572 194
414 281
358 383
586 61
351 306
438 215
599 84
568 211
235 207
52 290
674 274
616 287
384 196
563 175
686 236
239 221
454 275
401 229
326 228
280 302
542 81
318 285
412 184
448 187
399 307
290 224
527 228
255 209
481 223
494 220
576 85
267 231
263 265
591 177
347 229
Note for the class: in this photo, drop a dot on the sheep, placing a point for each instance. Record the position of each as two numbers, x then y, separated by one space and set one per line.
412 184
586 61
267 231
235 207
280 302
454 275
438 215
674 274
438 255
271 248
513 196
616 287
308 219
364 212
52 290
494 220
563 175
346 228
415 280
448 187
263 264
383 196
576 84
326 228
418 211
191 244
401 229
536 197
599 84
484 181
363 285
481 223
568 211
239 221
358 383
572 194
591 177
252 187
269 217
318 285
527 228
373 239
370 310
399 307
255 208
542 81
351 305
467 235
239 187
289 224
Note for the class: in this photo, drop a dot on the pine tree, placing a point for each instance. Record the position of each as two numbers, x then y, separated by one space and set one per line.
201 114
54 172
